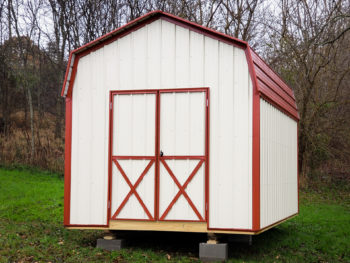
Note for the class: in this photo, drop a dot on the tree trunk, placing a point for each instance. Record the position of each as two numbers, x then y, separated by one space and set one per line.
4 89
58 126
59 104
31 111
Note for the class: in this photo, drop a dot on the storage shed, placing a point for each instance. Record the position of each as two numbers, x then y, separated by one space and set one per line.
171 126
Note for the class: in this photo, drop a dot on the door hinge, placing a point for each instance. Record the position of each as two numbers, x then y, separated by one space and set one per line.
206 207
109 204
207 102
110 105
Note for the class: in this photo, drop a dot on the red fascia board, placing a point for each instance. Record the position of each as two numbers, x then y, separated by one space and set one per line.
116 36
67 72
75 61
205 31
167 16
266 91
119 29
266 79
271 73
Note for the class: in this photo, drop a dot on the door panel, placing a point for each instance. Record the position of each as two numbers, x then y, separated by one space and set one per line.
133 156
183 149
182 123
134 124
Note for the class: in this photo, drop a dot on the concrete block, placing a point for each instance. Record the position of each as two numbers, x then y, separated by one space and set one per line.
113 244
213 252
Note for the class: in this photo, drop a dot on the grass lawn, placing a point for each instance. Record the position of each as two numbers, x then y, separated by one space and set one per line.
31 216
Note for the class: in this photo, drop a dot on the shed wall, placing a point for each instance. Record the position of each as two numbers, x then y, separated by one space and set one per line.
158 56
89 166
279 165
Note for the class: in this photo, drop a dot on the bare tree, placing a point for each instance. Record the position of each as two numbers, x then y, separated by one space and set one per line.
243 19
309 47
306 41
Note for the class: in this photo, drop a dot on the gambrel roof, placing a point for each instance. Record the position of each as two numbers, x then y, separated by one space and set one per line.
265 81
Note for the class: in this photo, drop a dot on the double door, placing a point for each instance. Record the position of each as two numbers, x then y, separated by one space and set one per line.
159 155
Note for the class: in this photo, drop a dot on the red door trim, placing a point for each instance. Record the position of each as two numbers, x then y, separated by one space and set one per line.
157 151
110 142
130 157
183 90
207 140
181 157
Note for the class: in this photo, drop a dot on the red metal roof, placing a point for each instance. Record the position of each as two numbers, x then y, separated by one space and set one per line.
267 82
272 87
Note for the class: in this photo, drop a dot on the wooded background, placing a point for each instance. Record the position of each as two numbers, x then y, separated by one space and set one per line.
306 41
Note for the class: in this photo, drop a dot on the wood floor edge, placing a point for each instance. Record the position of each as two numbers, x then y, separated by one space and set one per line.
194 227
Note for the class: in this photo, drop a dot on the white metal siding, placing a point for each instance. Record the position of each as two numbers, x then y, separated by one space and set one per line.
278 165
89 173
157 56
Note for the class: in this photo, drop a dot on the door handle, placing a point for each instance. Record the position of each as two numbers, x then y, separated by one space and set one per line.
161 153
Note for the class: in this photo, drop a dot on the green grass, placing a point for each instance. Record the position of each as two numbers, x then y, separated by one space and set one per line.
31 215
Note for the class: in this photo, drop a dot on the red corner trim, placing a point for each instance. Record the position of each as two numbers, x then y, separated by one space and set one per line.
67 160
68 152
255 145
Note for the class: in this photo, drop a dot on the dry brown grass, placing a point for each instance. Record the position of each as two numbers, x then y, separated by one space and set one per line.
15 146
